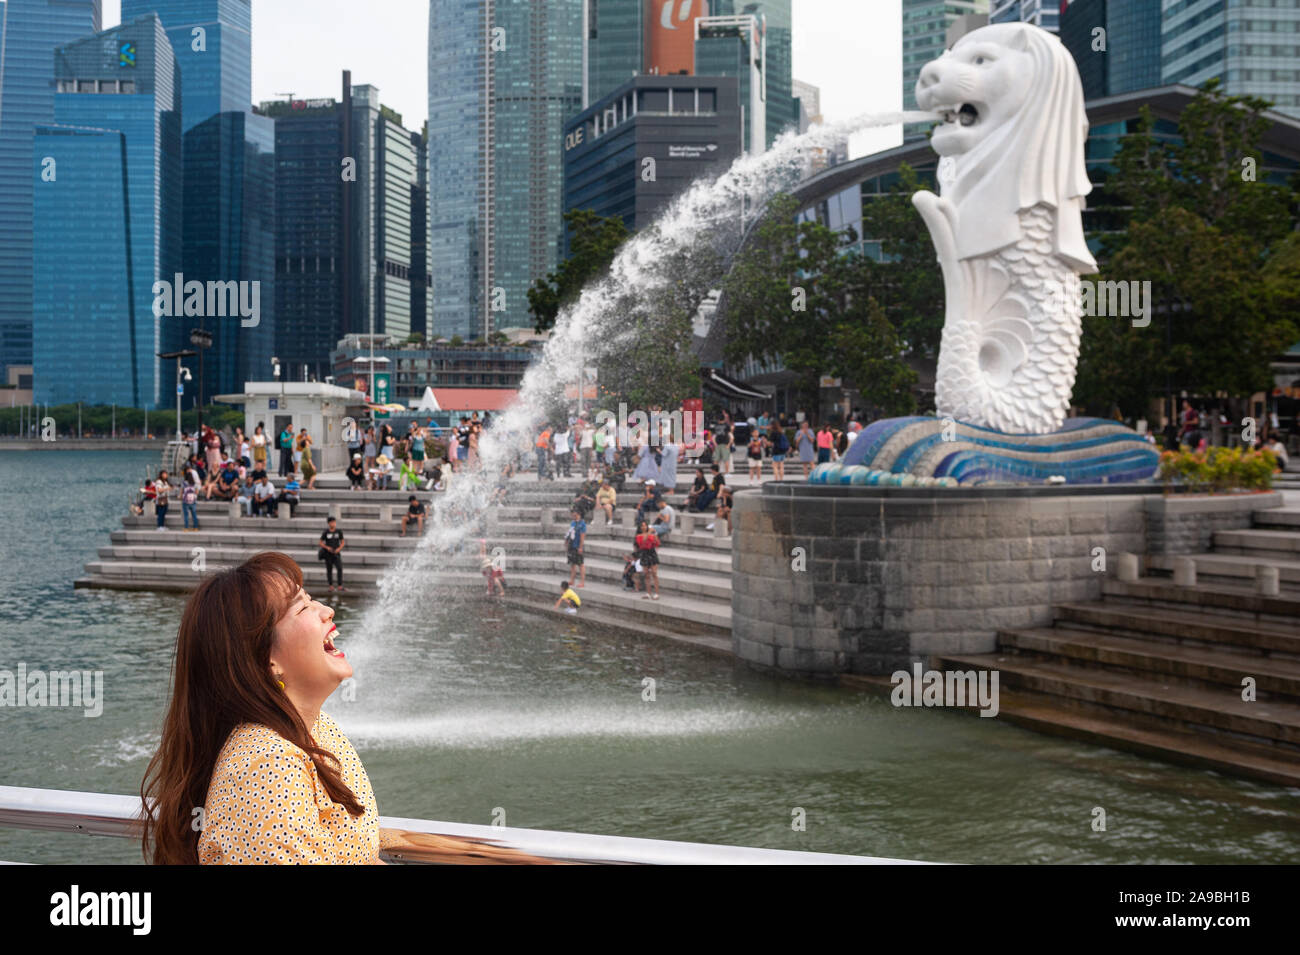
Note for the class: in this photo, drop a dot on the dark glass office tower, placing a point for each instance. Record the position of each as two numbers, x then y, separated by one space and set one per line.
309 238
30 30
230 237
1129 58
421 280
345 250
107 182
212 40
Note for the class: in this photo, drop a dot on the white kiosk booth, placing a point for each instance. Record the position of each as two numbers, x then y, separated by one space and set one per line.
316 406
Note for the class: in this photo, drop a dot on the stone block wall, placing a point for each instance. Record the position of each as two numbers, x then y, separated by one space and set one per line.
1186 524
852 579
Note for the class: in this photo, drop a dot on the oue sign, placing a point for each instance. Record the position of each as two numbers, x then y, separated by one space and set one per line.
573 139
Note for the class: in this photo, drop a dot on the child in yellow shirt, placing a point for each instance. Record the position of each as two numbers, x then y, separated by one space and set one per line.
568 598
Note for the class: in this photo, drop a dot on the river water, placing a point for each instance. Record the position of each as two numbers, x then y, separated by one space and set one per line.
466 710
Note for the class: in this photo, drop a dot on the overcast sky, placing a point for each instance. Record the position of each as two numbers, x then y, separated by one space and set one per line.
850 48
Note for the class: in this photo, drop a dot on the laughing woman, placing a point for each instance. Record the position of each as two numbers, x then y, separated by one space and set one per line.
249 770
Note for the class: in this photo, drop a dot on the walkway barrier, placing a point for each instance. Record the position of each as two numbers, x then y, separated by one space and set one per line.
421 841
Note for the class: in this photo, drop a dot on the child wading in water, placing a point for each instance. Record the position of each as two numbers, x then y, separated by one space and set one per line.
494 575
568 598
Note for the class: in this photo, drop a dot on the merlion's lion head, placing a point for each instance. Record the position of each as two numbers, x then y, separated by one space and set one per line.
1012 136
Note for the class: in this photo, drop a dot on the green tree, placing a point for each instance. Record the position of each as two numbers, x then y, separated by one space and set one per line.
1217 246
649 359
907 283
795 294
594 243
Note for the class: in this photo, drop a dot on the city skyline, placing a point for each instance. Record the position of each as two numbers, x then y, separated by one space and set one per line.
389 52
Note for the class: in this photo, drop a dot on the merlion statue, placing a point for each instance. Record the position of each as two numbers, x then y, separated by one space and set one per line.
1008 230
1007 225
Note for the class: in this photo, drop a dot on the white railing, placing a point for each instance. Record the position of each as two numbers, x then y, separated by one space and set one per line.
423 841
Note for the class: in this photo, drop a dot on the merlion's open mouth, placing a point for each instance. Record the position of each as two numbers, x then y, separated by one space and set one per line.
966 114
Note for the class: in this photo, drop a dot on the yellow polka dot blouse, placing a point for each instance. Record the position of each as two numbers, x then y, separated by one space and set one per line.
267 806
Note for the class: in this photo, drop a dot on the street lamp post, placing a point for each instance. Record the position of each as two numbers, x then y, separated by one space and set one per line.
180 388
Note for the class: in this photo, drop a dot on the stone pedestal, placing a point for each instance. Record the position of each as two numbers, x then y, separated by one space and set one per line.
835 579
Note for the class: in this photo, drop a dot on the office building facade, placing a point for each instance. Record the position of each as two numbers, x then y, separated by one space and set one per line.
925 37
723 50
503 78
213 44
1124 55
309 235
346 175
614 37
1041 13
229 236
107 177
30 31
421 275
410 368
229 232
1253 48
689 126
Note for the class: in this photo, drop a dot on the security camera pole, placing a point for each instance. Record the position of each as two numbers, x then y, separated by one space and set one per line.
180 388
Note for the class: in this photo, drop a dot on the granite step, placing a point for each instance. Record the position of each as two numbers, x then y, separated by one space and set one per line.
1161 661
690 612
1049 715
1162 705
1201 627
1278 517
1266 544
1233 601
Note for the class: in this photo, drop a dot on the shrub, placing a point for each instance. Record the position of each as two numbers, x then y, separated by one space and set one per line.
1218 469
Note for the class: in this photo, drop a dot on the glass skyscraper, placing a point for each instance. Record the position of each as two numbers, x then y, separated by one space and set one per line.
504 75
1253 48
725 56
309 239
925 37
345 250
460 164
30 30
229 229
615 45
1130 58
229 236
107 176
212 40
1041 13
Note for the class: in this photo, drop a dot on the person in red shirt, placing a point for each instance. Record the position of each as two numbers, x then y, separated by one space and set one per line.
825 441
647 545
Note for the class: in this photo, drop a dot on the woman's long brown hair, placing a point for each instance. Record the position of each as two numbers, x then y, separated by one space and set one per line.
221 678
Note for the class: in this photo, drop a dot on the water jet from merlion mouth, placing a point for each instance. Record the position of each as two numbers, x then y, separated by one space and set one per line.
711 214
